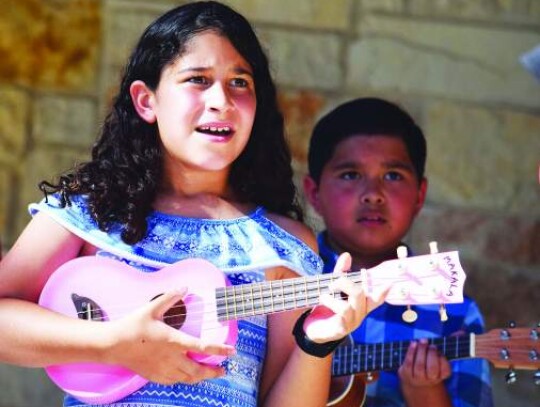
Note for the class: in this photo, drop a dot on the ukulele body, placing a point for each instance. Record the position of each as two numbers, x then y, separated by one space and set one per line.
103 289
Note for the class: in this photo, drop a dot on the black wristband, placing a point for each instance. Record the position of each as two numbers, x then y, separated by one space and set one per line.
319 350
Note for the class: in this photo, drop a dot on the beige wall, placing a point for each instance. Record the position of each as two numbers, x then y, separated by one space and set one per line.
452 63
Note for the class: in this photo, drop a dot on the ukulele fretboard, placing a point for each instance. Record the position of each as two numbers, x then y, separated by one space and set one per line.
359 358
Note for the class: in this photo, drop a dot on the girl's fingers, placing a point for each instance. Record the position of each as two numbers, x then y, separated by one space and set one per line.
160 305
343 263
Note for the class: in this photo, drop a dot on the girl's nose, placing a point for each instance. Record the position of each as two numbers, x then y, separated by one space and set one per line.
218 98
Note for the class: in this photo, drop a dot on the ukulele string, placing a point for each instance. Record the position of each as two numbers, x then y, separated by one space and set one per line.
262 296
257 290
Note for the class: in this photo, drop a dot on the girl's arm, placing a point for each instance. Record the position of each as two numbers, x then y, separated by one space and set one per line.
33 336
292 377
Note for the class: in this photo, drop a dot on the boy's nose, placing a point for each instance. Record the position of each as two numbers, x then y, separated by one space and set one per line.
218 98
372 193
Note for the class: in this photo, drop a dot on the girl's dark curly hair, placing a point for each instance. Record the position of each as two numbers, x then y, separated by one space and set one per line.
122 177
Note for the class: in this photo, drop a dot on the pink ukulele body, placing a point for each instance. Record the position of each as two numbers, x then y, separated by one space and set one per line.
117 289
103 289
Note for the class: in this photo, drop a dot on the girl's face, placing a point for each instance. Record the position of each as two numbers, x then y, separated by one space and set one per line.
204 106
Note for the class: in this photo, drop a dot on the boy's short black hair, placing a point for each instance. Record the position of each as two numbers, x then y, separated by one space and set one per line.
365 117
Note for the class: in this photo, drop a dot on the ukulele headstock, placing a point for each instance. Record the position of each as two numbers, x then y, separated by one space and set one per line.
435 278
513 349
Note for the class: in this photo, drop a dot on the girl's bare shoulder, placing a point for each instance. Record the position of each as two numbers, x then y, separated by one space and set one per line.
295 228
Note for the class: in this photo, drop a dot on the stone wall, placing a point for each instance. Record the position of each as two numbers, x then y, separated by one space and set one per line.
452 63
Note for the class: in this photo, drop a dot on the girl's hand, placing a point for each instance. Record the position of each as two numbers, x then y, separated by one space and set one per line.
335 318
145 344
423 366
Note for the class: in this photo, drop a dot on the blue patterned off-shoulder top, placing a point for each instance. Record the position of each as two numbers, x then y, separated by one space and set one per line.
242 248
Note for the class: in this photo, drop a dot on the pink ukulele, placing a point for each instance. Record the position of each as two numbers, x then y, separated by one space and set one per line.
102 289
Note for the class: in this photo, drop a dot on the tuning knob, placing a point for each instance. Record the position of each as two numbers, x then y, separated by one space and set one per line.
511 376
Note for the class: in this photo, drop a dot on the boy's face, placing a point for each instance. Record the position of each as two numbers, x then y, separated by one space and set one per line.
368 195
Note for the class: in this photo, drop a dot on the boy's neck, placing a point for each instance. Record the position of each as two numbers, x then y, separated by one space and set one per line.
363 259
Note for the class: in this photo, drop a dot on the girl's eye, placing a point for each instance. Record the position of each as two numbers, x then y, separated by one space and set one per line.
239 83
393 176
199 80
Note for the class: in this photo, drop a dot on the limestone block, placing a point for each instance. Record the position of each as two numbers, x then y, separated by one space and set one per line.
318 14
5 195
14 111
502 293
50 43
510 11
67 120
387 6
43 163
493 236
310 60
25 387
483 158
471 63
300 110
124 23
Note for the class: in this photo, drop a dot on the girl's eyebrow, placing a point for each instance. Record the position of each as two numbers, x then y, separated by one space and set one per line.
237 70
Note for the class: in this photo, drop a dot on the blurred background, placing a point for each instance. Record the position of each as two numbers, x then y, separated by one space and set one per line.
454 64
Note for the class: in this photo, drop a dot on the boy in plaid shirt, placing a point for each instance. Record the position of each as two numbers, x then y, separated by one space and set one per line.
366 180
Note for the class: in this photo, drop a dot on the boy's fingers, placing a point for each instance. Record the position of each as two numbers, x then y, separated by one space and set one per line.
408 362
433 365
420 359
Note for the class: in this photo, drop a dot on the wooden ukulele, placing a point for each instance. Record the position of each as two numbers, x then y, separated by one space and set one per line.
353 365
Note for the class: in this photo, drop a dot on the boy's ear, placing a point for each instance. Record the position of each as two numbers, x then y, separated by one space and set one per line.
422 191
143 99
311 192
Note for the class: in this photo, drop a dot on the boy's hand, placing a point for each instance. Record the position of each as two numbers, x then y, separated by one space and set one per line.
335 317
142 342
423 366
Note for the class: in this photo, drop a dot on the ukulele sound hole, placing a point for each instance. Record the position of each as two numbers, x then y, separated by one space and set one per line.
87 308
176 315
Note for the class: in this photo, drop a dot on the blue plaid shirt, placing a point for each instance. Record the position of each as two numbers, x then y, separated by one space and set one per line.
470 383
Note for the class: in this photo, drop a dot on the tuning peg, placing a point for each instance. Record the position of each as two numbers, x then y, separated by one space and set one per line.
505 334
511 376
534 334
402 252
409 315
443 313
433 249
512 324
536 377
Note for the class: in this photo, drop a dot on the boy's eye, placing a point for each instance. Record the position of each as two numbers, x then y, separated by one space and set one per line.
349 175
393 176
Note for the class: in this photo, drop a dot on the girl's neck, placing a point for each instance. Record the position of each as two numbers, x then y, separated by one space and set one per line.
200 204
